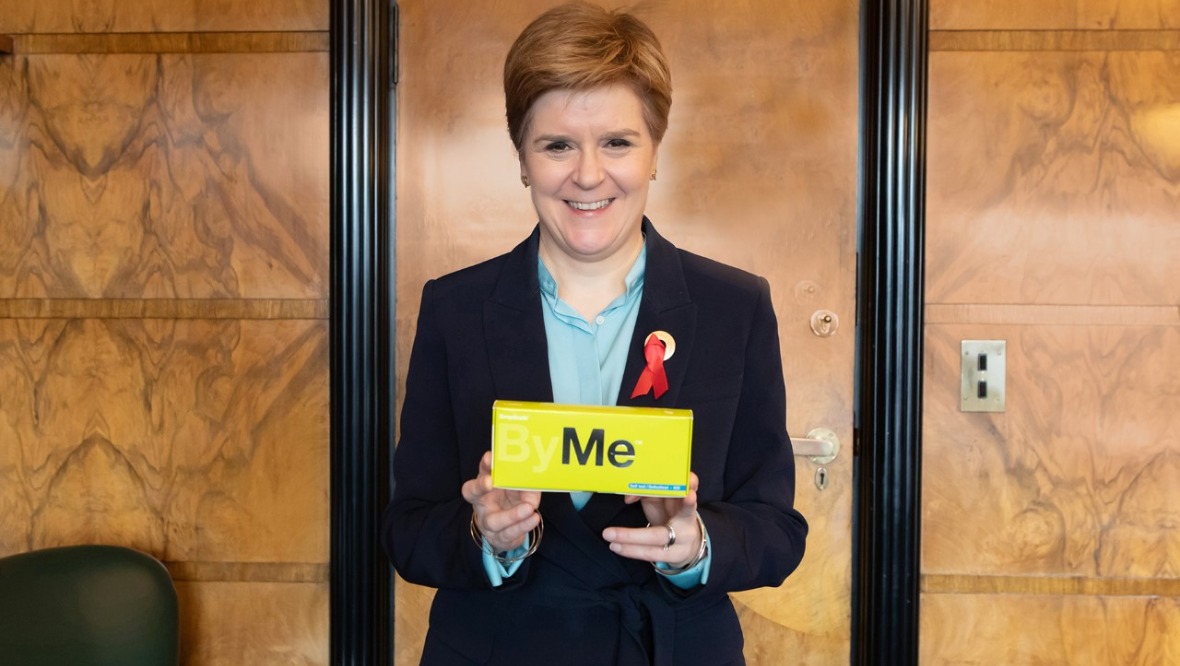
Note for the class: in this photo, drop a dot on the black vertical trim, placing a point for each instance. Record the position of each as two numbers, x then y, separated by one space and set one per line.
361 353
889 315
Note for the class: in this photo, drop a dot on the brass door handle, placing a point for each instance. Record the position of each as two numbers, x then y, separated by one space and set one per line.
821 446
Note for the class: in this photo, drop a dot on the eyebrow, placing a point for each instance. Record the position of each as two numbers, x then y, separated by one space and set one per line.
545 138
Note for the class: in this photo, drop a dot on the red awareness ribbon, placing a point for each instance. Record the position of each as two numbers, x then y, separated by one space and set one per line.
653 376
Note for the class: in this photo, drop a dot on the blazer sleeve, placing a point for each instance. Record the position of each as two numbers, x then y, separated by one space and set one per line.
756 536
426 526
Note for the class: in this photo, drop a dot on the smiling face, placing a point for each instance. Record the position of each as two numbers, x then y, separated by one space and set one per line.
589 158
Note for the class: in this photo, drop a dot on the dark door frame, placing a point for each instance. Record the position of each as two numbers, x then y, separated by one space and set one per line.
887 451
887 464
361 338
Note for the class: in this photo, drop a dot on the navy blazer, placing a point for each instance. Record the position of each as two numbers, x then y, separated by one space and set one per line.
481 337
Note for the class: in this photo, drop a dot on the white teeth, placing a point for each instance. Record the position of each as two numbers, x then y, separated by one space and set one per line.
594 205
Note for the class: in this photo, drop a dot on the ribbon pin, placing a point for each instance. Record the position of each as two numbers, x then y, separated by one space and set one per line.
657 348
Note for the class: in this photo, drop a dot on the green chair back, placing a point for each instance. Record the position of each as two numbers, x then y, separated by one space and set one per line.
87 606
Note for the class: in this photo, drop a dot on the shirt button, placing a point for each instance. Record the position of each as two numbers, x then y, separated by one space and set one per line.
600 320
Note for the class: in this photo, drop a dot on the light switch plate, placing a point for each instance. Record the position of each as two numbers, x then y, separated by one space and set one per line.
983 381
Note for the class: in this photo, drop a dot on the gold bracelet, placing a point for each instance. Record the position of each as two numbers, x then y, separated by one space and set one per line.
701 553
535 535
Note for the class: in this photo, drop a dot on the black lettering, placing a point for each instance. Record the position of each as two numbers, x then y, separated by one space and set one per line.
570 437
621 448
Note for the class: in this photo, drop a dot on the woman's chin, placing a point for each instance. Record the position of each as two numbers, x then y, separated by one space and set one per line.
594 249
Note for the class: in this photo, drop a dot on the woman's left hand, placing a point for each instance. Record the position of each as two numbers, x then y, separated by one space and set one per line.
650 544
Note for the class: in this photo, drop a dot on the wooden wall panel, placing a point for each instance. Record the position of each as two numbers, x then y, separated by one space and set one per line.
233 624
1054 14
1023 629
758 169
1079 477
1050 529
87 16
140 176
163 304
195 440
1063 180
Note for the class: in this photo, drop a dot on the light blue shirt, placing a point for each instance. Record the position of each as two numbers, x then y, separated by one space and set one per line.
586 364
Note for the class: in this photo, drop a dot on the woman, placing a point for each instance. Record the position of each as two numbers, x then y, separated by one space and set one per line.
560 578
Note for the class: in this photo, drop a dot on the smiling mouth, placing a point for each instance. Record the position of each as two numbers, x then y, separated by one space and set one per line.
593 205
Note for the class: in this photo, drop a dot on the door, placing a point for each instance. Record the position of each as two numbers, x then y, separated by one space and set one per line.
758 170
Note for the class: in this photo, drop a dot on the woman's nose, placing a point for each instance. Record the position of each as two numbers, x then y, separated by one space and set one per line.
588 172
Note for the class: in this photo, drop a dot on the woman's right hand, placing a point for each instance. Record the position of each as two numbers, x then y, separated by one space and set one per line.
504 517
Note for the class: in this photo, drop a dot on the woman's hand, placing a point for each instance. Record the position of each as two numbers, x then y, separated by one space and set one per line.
504 517
651 543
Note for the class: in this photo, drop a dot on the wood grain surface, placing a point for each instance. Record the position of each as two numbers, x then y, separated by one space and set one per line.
172 42
1061 183
163 305
1081 475
234 624
1051 533
1054 14
136 176
90 16
1022 629
1055 40
190 440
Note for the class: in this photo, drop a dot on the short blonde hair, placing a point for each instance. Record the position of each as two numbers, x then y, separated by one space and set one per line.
578 46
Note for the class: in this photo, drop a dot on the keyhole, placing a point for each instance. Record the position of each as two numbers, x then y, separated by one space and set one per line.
821 478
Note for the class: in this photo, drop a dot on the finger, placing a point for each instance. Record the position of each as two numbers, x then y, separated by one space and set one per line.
681 507
690 498
529 497
472 491
510 535
660 510
509 518
645 553
688 506
627 543
519 511
654 536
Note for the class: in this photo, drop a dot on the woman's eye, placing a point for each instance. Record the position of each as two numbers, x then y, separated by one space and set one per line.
557 147
618 143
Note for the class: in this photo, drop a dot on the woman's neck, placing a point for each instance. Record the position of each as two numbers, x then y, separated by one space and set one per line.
588 287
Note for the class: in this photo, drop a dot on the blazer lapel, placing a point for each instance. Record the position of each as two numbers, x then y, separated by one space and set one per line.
666 306
514 329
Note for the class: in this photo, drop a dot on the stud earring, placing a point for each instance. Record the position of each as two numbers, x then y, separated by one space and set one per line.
653 174
524 180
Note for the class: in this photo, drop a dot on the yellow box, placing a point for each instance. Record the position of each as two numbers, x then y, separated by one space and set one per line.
621 450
